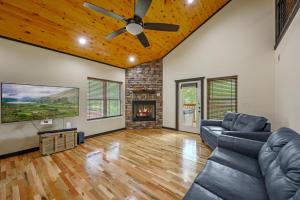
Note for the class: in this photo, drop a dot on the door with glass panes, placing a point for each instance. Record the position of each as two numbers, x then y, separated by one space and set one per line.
190 106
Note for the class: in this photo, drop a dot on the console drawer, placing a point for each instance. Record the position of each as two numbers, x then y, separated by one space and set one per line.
70 145
60 139
70 138
47 145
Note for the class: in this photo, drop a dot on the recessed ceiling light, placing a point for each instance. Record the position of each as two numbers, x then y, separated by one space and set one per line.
190 1
131 59
82 40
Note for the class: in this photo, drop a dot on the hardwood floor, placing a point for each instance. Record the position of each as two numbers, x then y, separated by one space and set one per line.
129 164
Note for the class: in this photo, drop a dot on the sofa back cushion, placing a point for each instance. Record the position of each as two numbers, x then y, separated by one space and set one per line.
249 123
283 175
270 150
229 120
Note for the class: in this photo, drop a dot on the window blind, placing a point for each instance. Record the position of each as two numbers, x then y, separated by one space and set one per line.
104 99
221 97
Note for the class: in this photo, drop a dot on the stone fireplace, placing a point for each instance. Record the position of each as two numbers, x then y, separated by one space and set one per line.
143 103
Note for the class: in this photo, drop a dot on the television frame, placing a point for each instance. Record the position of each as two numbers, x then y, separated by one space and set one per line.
1 103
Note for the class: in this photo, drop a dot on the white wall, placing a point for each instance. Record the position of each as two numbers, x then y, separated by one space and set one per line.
239 40
287 79
20 63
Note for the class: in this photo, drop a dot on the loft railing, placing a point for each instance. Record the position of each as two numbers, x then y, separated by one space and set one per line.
285 12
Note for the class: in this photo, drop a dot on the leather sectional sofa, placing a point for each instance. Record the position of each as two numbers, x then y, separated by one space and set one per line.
243 169
237 125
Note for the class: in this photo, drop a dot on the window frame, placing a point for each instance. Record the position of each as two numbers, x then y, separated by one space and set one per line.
279 33
208 92
105 98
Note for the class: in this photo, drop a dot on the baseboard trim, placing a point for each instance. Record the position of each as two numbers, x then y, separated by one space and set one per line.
104 133
190 132
173 129
17 153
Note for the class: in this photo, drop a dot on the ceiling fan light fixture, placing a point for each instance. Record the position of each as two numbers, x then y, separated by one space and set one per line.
135 25
134 29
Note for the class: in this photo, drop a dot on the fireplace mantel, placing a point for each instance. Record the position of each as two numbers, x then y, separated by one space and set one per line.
144 91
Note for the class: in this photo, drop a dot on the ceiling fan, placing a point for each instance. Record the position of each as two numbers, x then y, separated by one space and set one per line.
135 25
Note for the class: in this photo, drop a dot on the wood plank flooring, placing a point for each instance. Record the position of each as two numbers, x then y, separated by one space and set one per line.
129 164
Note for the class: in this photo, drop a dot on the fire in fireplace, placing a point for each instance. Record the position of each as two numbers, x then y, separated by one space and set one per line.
144 110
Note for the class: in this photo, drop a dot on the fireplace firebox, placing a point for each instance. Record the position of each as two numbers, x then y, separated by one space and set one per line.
144 110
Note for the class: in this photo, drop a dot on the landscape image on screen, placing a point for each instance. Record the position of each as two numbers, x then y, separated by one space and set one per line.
30 102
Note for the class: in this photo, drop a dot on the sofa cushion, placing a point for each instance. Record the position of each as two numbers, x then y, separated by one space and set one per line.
229 119
215 128
236 161
229 183
249 123
196 192
283 175
274 144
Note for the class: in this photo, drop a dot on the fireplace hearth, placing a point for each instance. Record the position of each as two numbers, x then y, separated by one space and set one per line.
144 110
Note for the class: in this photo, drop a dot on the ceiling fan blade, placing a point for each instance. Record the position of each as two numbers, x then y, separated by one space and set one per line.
115 33
141 7
143 39
161 27
103 11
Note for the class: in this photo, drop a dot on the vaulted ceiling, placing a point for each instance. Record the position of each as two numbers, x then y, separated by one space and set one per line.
57 25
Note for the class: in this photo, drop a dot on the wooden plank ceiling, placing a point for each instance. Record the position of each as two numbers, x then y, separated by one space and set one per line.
57 24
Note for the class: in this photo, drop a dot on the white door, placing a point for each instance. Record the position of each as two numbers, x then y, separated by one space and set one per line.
189 106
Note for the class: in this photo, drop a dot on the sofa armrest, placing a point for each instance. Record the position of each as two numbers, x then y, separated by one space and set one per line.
244 146
267 127
211 122
259 136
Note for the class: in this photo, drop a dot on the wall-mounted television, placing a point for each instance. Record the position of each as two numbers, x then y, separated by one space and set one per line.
21 102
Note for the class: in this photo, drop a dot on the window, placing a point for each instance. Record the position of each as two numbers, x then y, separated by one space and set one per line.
104 99
221 97
285 13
